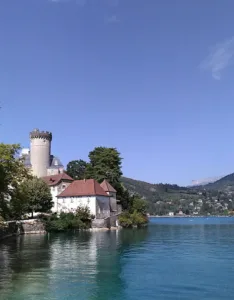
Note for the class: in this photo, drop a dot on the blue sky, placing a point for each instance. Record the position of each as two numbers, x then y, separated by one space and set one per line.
152 78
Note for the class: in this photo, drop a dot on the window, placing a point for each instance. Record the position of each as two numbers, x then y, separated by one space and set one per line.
55 162
63 200
72 200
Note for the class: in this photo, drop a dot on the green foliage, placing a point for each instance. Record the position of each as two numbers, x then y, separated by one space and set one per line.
12 174
138 219
139 205
32 196
77 169
19 203
83 213
69 221
125 220
105 163
225 184
135 216
12 169
135 219
165 198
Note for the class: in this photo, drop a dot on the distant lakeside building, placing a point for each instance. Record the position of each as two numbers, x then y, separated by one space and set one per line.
68 194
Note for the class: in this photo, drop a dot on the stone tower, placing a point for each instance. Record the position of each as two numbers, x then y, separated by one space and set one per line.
40 151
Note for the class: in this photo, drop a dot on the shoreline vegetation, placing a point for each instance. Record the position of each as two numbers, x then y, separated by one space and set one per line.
22 195
165 199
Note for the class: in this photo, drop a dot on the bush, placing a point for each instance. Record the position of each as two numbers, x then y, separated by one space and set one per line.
139 205
83 213
135 216
125 220
138 219
128 220
81 219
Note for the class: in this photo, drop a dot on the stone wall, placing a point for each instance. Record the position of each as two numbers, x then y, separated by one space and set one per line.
8 229
101 223
31 226
113 220
21 227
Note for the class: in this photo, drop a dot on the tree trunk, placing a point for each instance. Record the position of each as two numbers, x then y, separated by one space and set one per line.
32 215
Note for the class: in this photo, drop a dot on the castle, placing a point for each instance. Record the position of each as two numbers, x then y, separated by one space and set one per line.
69 194
39 158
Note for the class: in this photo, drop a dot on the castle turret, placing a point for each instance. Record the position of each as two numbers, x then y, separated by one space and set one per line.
40 151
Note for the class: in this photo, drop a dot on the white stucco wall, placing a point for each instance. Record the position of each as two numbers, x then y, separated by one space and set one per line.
54 193
70 204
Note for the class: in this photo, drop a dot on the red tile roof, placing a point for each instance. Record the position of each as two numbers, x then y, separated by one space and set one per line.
107 187
86 187
55 179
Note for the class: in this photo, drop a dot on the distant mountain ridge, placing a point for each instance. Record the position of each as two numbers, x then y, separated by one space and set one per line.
205 181
225 184
214 198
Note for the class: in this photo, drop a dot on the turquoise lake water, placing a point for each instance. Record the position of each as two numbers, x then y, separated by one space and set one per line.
174 258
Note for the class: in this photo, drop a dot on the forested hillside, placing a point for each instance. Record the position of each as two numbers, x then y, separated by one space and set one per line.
224 184
165 198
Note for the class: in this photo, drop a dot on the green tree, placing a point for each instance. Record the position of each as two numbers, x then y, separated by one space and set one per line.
77 169
12 174
124 196
139 205
37 195
19 202
105 163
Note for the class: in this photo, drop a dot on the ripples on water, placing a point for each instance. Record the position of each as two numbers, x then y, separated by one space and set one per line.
171 259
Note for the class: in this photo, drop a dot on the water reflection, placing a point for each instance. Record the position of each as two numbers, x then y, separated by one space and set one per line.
165 261
110 265
87 265
23 263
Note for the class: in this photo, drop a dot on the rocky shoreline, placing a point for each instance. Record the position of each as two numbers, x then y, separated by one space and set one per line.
35 226
15 228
